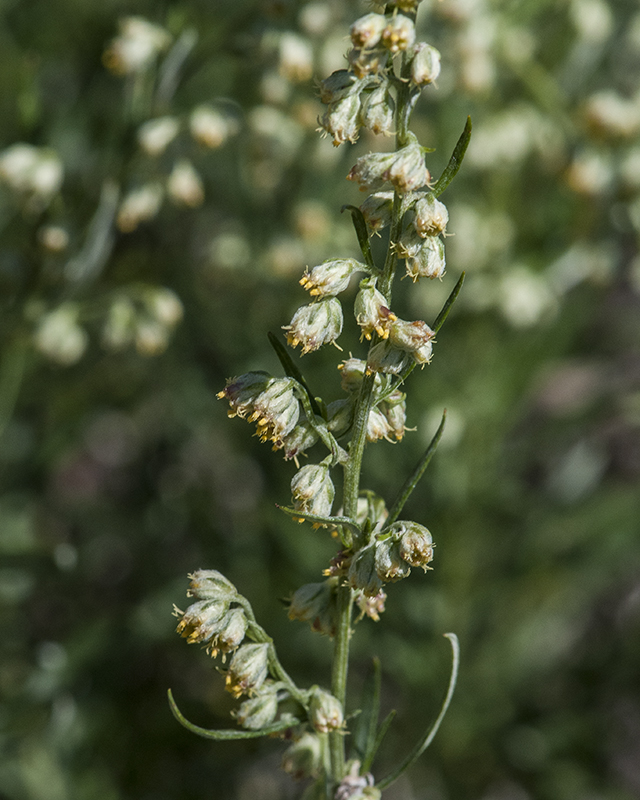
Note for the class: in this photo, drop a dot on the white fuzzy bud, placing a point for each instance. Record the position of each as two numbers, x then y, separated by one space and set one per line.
425 66
367 31
399 33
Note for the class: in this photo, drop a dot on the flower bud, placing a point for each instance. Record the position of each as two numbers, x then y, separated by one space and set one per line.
155 135
209 584
370 171
136 47
140 205
416 544
248 669
362 571
201 620
355 786
371 607
399 33
366 31
394 408
429 261
408 172
315 603
233 627
304 758
367 62
312 490
338 85
241 392
258 711
371 507
377 111
425 66
340 416
330 277
390 566
325 711
296 443
377 209
371 311
184 185
275 411
342 120
430 216
315 325
410 336
385 358
59 335
211 127
377 426
295 58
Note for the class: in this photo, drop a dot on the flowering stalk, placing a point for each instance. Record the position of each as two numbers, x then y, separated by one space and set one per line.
387 71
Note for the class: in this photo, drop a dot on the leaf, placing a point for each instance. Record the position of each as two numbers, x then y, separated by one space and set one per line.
429 736
418 472
364 735
334 522
362 233
455 161
229 735
446 308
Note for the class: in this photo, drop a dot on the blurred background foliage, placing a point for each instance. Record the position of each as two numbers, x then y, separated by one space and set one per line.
142 263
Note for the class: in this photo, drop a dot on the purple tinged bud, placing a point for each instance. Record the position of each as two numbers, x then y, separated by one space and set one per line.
315 325
410 336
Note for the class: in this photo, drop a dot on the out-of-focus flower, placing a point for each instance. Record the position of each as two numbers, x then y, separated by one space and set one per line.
140 205
35 171
53 238
164 305
136 47
610 114
155 135
295 58
211 127
184 185
119 327
315 603
59 336
303 759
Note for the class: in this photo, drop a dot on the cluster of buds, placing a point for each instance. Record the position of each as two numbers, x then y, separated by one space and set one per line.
360 96
315 603
390 556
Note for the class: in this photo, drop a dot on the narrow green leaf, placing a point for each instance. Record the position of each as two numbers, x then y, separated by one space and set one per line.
429 736
455 161
229 735
382 732
291 369
446 308
364 735
362 233
418 472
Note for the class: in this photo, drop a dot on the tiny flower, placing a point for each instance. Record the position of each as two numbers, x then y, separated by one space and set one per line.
399 33
355 786
342 120
366 63
413 337
371 607
370 171
184 185
139 205
378 426
425 66
430 216
394 408
429 261
408 172
390 566
338 85
362 571
416 544
296 443
409 244
248 669
136 47
325 711
164 305
209 584
352 372
387 359
258 711
377 112
233 627
366 31
155 135
53 238
315 603
315 325
331 277
119 327
201 620
295 58
377 209
312 490
210 127
371 311
59 335
242 392
304 758
372 508
276 411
